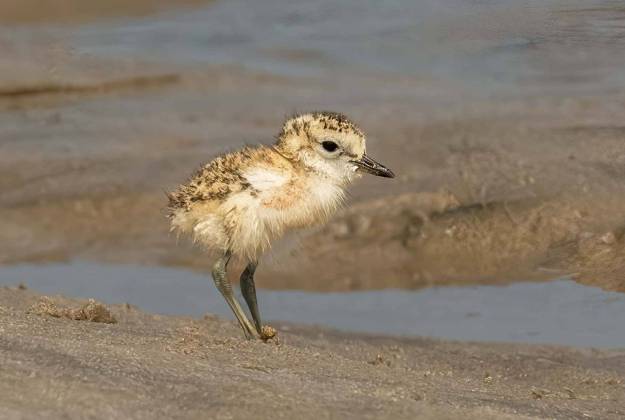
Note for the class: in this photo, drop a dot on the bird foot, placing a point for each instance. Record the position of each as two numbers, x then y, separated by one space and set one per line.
267 332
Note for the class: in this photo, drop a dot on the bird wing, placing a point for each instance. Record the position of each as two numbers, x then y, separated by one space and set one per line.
265 180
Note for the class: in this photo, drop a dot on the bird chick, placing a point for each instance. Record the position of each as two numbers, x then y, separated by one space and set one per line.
240 202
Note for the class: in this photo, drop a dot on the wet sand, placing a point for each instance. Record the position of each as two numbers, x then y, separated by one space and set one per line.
152 366
76 11
492 188
513 190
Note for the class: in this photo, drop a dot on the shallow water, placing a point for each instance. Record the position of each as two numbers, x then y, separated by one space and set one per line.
518 47
558 312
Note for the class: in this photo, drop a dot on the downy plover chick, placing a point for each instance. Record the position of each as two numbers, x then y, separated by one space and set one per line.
240 202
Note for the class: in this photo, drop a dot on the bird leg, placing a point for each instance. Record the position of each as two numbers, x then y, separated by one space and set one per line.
248 289
224 286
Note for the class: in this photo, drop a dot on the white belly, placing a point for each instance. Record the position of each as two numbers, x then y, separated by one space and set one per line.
278 204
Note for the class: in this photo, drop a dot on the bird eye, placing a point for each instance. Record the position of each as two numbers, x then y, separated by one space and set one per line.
329 146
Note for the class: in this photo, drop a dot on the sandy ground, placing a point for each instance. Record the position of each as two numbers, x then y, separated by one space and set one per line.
151 366
489 191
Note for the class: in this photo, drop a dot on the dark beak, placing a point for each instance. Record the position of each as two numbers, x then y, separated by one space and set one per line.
371 166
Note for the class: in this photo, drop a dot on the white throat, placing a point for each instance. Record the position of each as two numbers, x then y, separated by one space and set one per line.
337 172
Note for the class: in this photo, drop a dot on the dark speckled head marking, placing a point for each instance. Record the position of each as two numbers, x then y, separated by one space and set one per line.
304 133
336 121
329 120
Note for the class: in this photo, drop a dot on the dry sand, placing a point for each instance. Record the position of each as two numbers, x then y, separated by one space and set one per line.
151 366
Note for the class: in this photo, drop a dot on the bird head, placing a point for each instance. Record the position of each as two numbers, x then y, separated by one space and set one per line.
329 144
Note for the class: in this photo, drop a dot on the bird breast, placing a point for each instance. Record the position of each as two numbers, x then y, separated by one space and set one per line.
268 203
288 199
